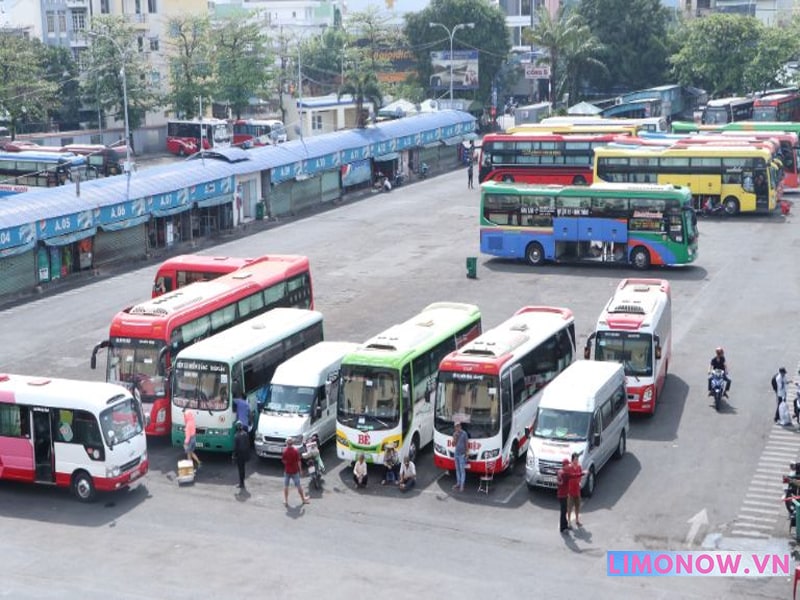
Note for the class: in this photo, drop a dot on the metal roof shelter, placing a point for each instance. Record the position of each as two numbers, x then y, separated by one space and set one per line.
159 191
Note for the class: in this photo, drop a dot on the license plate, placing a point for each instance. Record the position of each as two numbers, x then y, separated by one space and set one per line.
311 470
135 475
199 444
273 448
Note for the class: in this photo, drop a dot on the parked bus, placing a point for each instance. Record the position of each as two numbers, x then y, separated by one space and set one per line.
187 137
727 110
743 179
635 224
84 435
101 161
236 363
540 157
20 171
386 388
652 124
777 107
179 271
635 329
259 132
492 387
144 339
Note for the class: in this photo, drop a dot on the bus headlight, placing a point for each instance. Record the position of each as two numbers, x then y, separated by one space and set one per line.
648 394
112 472
530 461
161 415
487 454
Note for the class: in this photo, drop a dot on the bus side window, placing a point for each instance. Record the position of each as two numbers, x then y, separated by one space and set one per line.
14 421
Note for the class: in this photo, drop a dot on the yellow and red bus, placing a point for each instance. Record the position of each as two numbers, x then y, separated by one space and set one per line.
541 157
179 271
144 339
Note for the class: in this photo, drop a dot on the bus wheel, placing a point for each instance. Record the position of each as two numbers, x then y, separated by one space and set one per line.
534 254
83 487
620 447
640 258
579 180
508 179
731 205
588 489
513 457
413 449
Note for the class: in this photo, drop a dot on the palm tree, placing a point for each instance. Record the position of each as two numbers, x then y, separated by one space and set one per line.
363 86
569 43
579 53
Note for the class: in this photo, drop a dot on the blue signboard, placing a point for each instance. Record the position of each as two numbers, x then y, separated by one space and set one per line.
65 224
24 235
121 211
357 172
211 189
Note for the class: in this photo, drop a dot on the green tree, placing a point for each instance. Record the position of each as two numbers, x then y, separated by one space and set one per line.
61 69
324 57
715 53
633 33
114 45
776 47
489 36
362 85
191 64
25 94
243 61
570 46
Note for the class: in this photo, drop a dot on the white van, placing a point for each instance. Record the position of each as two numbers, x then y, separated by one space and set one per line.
583 410
297 404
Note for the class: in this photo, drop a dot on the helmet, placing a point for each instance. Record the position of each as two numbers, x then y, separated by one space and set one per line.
238 425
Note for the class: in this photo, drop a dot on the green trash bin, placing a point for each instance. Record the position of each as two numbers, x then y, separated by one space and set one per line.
259 211
472 267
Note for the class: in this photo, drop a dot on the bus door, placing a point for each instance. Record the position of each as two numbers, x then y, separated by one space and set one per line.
43 445
761 186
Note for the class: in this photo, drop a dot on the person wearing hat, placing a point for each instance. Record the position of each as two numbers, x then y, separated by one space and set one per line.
241 450
562 492
779 384
391 464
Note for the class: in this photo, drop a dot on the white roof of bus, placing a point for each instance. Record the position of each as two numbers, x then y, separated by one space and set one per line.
644 297
60 393
576 386
305 369
432 321
528 327
259 332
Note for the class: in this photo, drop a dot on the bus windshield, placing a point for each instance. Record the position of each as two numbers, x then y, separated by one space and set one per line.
369 397
765 113
121 422
468 398
633 350
134 364
555 424
221 134
714 116
290 399
201 385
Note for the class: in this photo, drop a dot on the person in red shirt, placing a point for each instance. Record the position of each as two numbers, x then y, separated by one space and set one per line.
291 472
562 491
574 494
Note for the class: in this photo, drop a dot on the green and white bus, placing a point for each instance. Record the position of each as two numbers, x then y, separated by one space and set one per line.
238 362
386 388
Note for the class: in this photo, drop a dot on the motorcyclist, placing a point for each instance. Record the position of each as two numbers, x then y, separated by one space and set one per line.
718 362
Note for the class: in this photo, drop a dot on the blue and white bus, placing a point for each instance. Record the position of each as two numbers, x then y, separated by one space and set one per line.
20 171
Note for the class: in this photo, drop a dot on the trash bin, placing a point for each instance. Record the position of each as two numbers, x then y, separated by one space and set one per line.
259 211
472 267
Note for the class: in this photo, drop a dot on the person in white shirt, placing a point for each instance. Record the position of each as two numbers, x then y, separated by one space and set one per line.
360 472
408 474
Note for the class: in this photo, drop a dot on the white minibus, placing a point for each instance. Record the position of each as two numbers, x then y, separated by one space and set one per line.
298 404
583 410
85 435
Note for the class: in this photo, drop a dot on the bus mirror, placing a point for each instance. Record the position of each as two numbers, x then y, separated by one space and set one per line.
586 351
658 352
95 350
93 362
527 432
596 440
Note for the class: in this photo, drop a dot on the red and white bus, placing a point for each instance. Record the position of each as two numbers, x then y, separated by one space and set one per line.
180 271
635 328
84 435
187 137
541 157
144 338
258 132
492 386
777 107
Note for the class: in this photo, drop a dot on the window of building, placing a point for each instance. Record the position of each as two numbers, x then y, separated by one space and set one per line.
316 122
138 5
140 44
154 44
104 7
78 20
51 22
62 21
151 6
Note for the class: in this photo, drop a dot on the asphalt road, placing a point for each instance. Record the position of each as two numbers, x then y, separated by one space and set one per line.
376 262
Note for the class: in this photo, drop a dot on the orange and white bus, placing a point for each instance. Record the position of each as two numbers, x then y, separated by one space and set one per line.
84 435
492 387
179 271
635 328
144 339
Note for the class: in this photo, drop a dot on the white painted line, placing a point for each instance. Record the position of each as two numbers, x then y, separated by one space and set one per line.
752 518
757 496
754 525
765 486
780 434
753 534
782 444
770 477
511 494
762 511
789 454
759 503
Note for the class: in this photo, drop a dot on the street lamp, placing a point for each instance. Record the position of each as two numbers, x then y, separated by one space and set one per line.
123 57
451 34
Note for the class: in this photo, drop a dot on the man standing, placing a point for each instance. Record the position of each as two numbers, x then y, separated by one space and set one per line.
460 439
574 493
242 409
562 491
241 450
291 472
779 385
469 174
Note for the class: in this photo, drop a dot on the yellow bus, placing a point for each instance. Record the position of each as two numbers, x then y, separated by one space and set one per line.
743 179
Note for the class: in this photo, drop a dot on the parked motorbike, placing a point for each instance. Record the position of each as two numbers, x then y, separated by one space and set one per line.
423 171
313 461
711 208
792 491
399 178
717 386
